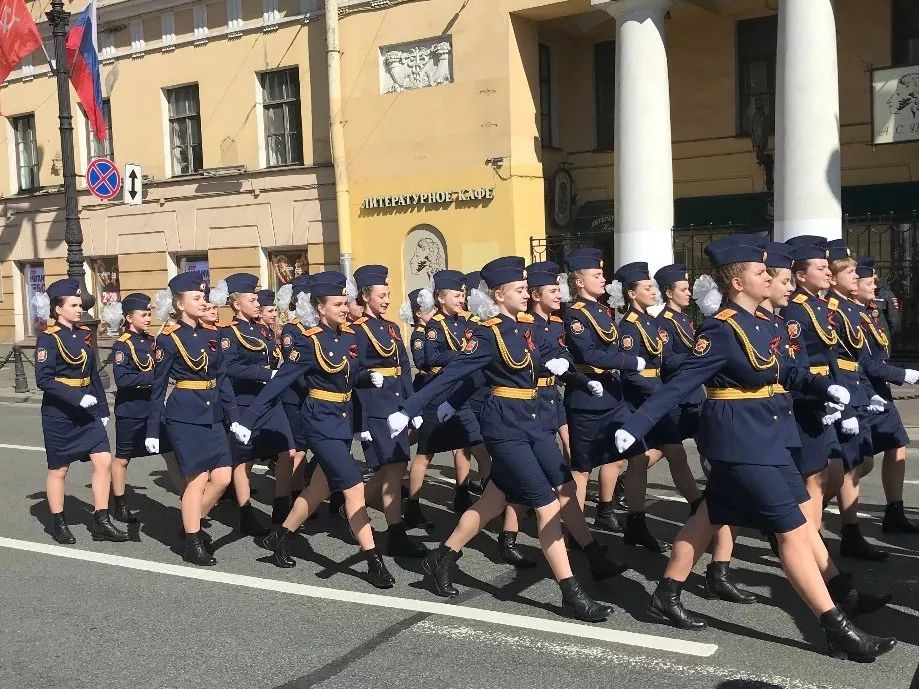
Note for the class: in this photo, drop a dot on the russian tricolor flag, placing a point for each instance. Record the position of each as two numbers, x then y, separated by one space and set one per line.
83 63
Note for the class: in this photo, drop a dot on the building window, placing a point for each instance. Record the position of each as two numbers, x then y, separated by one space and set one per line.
104 148
281 106
106 284
26 151
756 49
195 264
905 36
285 266
546 120
184 129
605 93
33 275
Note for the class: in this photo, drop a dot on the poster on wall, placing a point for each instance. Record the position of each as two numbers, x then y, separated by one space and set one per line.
895 105
105 278
35 284
424 253
285 266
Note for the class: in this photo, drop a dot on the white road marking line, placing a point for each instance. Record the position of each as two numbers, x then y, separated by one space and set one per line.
581 631
22 447
605 656
912 483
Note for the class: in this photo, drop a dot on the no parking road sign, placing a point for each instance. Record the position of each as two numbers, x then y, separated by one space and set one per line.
103 179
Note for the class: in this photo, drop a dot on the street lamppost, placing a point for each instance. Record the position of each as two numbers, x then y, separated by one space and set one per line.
59 19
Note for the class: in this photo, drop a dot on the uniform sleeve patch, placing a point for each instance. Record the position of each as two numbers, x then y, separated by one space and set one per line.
628 342
418 344
288 340
294 355
577 327
703 344
119 357
794 329
664 335
471 346
225 343
432 334
41 354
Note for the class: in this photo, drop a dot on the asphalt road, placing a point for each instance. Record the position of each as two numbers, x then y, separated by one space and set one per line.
134 615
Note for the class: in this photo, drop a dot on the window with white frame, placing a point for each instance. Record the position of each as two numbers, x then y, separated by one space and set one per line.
26 151
281 117
103 148
184 129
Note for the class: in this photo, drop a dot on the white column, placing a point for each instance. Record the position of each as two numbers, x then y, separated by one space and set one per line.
644 159
807 174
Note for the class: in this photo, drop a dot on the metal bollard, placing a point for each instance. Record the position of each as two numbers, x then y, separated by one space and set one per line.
20 383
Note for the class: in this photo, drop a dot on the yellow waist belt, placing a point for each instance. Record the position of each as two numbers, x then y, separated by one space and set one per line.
388 372
743 393
545 382
846 365
74 382
514 393
584 368
820 370
650 373
327 396
779 390
196 384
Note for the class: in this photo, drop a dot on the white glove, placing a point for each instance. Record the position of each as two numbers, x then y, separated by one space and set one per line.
242 433
839 394
152 445
595 387
558 367
445 411
624 440
274 372
398 422
366 437
850 426
88 401
912 376
878 404
376 379
104 421
641 364
416 422
830 419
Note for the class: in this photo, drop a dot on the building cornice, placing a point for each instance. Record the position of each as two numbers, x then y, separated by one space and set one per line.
354 6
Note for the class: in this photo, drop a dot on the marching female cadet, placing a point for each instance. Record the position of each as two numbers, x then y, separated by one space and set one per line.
462 457
527 468
133 372
249 359
593 343
886 428
385 381
74 412
189 352
268 314
324 356
752 480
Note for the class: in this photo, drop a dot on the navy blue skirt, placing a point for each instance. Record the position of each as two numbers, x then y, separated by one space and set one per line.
272 437
757 496
686 418
552 414
297 431
130 435
383 449
886 429
527 469
853 448
460 431
199 447
591 437
338 464
70 440
818 442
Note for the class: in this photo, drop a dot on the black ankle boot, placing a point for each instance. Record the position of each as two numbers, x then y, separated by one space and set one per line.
276 541
601 566
280 508
195 552
845 640
606 518
59 530
249 523
400 543
854 545
895 520
438 565
462 499
510 554
852 601
665 606
619 495
414 517
718 584
577 604
120 511
377 573
475 487
105 530
636 533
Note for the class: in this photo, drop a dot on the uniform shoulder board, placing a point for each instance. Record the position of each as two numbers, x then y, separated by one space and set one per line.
465 314
312 331
169 329
490 322
51 329
632 317
293 321
347 329
725 314
833 304
668 314
208 326
474 319
800 299
438 317
524 317
578 305
555 319
82 327
419 328
362 319
125 337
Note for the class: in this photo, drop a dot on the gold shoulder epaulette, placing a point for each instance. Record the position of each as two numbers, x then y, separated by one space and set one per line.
725 314
169 329
491 321
474 319
346 329
125 337
294 321
51 329
833 304
668 314
578 305
800 299
419 328
465 314
632 317
358 321
555 319
438 317
315 330
524 317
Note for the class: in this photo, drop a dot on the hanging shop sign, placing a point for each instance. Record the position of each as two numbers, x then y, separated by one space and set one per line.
430 198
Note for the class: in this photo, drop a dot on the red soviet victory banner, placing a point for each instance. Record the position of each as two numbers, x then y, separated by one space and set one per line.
18 35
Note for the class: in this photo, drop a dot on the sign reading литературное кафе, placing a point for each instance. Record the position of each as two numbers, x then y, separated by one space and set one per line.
438 198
